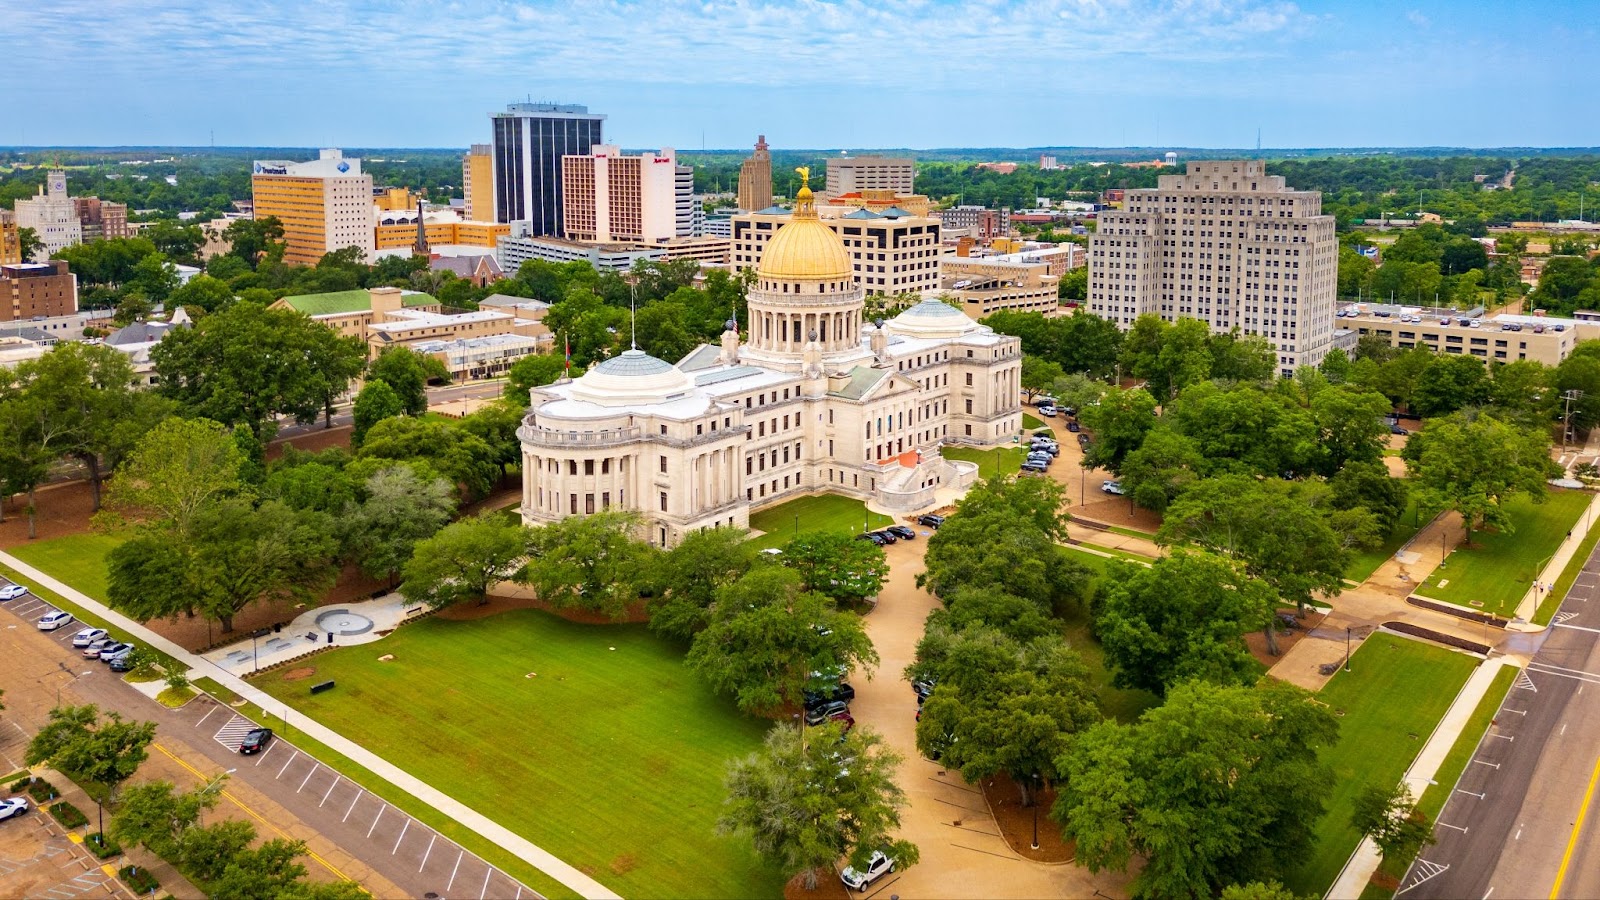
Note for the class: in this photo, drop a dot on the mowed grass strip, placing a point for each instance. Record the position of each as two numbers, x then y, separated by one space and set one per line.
819 512
1365 562
1569 575
1388 704
78 560
1500 567
592 741
998 461
1432 800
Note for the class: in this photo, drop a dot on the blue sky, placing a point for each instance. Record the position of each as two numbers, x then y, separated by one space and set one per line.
807 73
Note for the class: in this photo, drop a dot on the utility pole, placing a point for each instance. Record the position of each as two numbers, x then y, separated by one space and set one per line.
1568 398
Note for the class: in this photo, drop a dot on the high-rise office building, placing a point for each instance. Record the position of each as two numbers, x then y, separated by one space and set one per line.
607 196
1229 245
870 173
690 214
324 204
101 219
530 140
755 178
52 215
477 183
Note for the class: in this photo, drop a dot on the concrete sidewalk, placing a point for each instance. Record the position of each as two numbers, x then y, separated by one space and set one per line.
200 667
1364 862
1558 561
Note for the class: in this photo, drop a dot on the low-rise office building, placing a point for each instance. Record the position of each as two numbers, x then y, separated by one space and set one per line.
37 290
384 317
891 252
991 284
1499 338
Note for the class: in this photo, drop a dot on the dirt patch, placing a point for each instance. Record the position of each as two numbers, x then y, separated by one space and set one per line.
1385 881
1257 642
300 673
61 510
1118 511
312 441
195 634
623 864
829 887
1017 821
499 603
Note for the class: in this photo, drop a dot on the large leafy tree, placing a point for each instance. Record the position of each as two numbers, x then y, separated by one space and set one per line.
442 444
767 635
1182 618
533 371
400 508
1389 815
837 565
1476 464
1450 383
1005 706
155 816
1218 786
687 577
99 754
1004 538
1163 466
176 471
246 552
591 562
1120 424
462 560
805 801
407 373
375 402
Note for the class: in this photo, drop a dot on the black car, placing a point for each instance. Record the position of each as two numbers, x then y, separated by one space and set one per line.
902 532
255 741
930 520
884 535
1083 439
1073 426
842 691
1394 428
872 536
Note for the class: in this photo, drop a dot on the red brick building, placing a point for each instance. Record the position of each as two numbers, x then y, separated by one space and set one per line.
29 290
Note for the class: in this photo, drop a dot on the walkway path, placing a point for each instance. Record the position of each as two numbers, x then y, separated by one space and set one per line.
467 817
1365 861
963 854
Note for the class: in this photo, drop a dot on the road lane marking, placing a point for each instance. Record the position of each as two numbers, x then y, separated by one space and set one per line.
314 767
1456 827
289 763
1577 627
1482 763
1520 712
1471 794
454 870
376 818
1577 828
485 892
336 779
263 757
353 802
429 851
1504 737
403 829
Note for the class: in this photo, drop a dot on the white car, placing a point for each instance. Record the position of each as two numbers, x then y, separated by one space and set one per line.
10 809
53 620
1049 412
1112 487
12 592
88 636
877 867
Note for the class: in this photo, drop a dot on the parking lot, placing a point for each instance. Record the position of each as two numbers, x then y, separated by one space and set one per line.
408 853
38 860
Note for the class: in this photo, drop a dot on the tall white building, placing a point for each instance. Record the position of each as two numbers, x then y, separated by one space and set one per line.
1229 245
324 204
690 215
52 215
812 399
607 196
870 173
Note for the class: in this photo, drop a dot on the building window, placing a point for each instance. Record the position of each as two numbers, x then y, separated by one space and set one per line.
663 501
663 465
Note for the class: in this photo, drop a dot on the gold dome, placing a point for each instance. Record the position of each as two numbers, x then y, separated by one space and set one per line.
804 248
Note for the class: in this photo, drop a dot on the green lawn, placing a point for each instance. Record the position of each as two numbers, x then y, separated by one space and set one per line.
819 512
1552 601
1123 705
1388 704
611 756
998 461
1497 571
1031 423
78 560
1365 562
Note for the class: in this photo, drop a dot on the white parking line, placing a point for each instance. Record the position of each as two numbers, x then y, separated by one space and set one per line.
403 829
314 767
263 757
289 763
453 871
375 820
353 804
206 716
336 779
427 852
485 892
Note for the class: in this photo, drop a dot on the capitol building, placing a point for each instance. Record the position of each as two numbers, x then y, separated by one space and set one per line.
812 399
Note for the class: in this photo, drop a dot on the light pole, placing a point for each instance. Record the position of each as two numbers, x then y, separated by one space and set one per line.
1347 648
1035 810
255 661
1569 397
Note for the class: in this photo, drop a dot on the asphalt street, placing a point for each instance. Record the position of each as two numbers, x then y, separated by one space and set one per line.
413 856
1514 823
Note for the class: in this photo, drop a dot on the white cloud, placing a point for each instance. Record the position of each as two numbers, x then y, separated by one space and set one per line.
1416 18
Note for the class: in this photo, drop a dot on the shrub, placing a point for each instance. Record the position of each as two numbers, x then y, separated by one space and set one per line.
68 815
101 846
41 790
138 880
21 784
177 681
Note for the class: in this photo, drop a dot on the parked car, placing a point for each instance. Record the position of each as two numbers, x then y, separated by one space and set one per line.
88 636
10 809
877 867
1051 448
12 591
923 687
1394 428
903 532
1044 433
823 711
872 536
50 621
93 648
123 662
885 536
1049 412
255 740
846 722
120 651
1111 486
842 691
1034 466
1068 410
1042 402
1073 426
930 520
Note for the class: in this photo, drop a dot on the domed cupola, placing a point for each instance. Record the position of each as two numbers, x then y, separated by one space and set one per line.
631 377
933 319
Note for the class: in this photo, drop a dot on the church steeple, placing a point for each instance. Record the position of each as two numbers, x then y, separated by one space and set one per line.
420 248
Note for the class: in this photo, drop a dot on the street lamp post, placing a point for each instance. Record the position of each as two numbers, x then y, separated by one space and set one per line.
1347 648
1035 810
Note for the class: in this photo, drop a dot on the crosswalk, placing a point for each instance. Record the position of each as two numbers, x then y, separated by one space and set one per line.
232 733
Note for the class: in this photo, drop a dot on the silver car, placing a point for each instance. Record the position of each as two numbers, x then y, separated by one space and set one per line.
88 636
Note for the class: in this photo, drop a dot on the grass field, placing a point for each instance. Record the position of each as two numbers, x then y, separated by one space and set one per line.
78 560
999 461
1364 563
819 512
1032 422
1552 601
1499 569
1123 705
611 756
1394 695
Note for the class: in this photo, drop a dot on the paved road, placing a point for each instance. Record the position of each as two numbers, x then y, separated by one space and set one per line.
410 854
1506 829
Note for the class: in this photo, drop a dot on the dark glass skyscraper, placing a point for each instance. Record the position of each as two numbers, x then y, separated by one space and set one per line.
529 141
